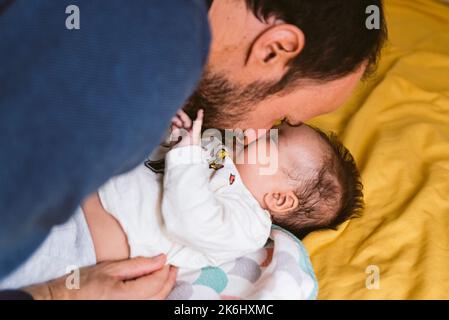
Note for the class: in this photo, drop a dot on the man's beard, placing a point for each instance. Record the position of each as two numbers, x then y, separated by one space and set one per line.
225 104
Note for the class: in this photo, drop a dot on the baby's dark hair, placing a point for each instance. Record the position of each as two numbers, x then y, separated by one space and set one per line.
331 196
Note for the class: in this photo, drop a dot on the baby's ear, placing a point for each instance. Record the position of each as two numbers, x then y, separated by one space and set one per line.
281 202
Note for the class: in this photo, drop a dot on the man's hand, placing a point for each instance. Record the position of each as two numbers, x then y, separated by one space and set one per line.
184 131
138 278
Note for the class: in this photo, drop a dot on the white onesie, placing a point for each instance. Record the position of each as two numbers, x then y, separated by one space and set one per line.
199 213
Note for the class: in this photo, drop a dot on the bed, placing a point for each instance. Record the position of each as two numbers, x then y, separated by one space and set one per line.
397 127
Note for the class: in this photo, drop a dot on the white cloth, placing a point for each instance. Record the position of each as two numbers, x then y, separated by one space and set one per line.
194 214
67 247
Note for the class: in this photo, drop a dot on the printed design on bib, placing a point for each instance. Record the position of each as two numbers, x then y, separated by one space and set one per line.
231 179
217 162
216 166
222 154
157 166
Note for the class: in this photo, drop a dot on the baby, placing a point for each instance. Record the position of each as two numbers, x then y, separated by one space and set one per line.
207 208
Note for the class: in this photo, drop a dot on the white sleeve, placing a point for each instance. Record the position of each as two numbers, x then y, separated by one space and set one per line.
221 225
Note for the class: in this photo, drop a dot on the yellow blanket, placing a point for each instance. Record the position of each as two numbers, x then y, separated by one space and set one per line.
397 127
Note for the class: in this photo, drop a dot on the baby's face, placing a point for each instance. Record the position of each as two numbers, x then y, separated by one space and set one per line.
299 152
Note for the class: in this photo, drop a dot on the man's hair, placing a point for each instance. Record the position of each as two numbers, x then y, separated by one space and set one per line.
331 196
337 40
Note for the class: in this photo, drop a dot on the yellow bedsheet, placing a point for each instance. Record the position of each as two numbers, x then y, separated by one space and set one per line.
397 127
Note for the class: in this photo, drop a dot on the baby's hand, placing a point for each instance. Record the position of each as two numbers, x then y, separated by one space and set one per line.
185 131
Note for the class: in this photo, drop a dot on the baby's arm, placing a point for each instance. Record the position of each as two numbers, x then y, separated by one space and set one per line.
108 237
221 225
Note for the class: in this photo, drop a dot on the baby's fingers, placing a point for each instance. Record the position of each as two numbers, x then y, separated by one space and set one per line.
175 135
176 122
186 121
196 128
200 116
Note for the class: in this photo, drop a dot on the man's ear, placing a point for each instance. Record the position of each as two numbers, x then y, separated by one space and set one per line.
279 203
276 46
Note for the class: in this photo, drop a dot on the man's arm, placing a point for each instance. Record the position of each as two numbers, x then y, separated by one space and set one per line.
15 295
138 278
80 106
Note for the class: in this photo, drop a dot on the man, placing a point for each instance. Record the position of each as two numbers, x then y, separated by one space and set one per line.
292 59
80 105
268 60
